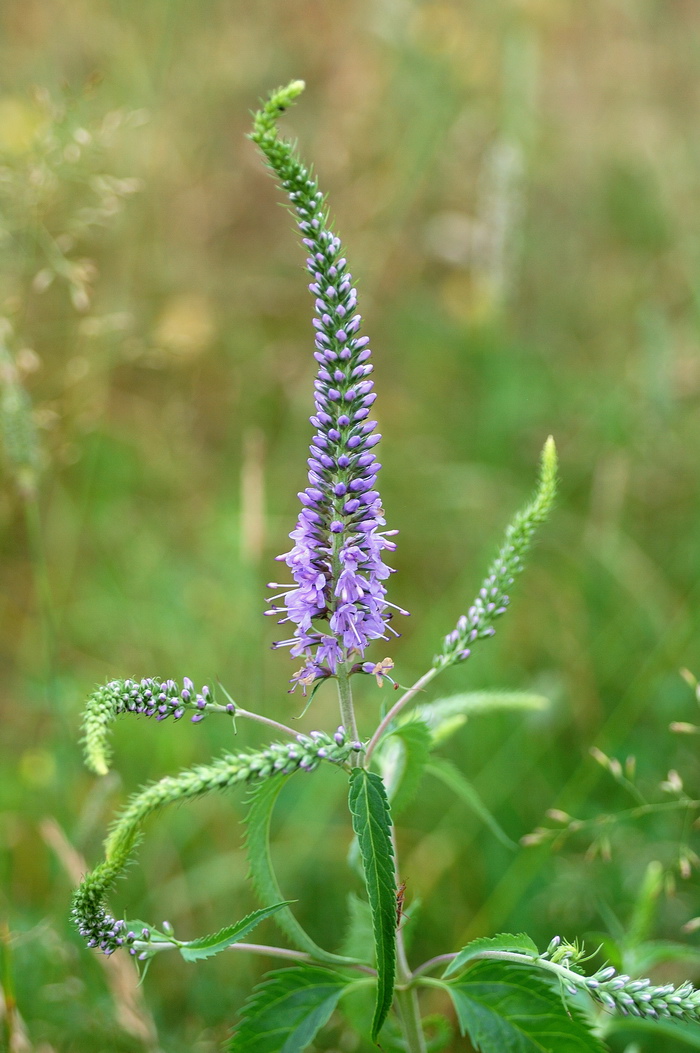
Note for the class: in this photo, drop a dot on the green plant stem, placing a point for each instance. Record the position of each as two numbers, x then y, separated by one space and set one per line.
407 1000
263 720
396 709
569 976
433 963
347 710
406 995
254 948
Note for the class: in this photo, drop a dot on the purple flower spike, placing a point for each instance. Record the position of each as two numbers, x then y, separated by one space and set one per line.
337 557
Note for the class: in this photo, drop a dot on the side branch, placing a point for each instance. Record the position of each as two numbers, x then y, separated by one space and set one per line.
101 929
151 697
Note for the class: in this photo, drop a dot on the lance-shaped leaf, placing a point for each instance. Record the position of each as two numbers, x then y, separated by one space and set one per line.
371 822
452 777
447 715
403 760
208 946
505 941
508 1009
259 820
287 1010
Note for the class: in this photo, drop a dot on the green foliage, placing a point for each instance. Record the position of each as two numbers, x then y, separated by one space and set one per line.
451 776
19 441
403 770
447 715
358 941
371 820
681 1034
506 941
287 1010
258 822
208 946
508 1009
149 447
652 953
440 1033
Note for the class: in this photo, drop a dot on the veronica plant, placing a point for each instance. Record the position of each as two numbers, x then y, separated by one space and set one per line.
507 995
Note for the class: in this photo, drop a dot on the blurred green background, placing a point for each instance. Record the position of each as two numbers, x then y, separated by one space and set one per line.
517 183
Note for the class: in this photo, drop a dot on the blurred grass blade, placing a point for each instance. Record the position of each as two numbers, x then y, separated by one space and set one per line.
684 1034
452 777
446 715
646 904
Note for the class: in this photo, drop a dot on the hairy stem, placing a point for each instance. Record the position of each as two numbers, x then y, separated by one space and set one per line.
396 709
432 963
406 996
347 710
263 720
255 948
407 1000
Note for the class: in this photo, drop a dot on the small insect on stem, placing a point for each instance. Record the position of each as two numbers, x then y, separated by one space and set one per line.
400 895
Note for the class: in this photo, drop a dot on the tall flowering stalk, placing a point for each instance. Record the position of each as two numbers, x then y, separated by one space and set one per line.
501 987
337 603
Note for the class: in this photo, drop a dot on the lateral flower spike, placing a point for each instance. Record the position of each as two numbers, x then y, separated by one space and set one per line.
493 597
337 558
149 697
99 928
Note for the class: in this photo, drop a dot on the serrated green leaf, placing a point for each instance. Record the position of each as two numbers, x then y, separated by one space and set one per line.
509 1009
446 715
287 1010
505 941
403 762
371 820
208 946
451 776
257 840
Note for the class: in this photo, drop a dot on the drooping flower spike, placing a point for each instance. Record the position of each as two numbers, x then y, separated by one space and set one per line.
337 558
150 697
101 929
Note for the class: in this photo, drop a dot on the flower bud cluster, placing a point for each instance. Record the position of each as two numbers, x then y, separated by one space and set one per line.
493 599
149 697
108 934
98 927
336 561
161 699
617 991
